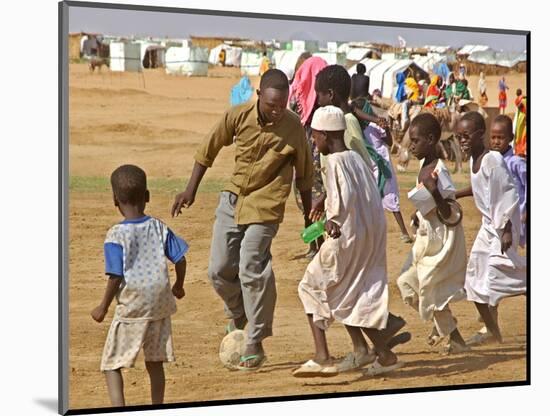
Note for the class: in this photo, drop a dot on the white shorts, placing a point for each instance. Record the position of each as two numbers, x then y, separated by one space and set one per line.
125 340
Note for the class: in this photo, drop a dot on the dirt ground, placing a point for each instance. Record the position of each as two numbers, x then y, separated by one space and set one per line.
157 121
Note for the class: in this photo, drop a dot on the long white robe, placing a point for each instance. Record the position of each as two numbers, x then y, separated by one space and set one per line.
491 275
436 276
347 280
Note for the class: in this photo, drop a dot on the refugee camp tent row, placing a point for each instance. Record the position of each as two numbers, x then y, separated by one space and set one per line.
187 60
491 57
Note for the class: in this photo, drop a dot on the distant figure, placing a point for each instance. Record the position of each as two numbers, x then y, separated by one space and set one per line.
502 97
520 129
265 64
482 89
222 57
360 83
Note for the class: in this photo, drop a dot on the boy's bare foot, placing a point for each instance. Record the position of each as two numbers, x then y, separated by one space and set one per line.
454 347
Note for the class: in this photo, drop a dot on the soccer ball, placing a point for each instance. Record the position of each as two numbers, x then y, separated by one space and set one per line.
232 348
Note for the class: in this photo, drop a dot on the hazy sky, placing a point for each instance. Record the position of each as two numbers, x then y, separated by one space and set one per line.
177 25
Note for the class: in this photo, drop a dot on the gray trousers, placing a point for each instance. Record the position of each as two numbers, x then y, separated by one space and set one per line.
240 269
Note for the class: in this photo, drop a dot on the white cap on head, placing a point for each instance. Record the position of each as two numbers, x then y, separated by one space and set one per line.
328 118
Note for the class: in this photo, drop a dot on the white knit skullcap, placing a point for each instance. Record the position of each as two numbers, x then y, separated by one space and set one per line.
328 118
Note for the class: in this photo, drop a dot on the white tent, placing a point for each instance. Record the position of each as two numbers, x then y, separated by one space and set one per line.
232 55
125 57
370 64
389 82
356 54
331 58
286 61
147 48
382 73
190 61
377 75
250 63
469 49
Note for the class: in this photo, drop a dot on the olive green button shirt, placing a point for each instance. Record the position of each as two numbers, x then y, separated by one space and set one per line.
265 155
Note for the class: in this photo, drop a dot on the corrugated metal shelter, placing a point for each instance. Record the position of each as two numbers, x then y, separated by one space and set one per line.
190 61
125 56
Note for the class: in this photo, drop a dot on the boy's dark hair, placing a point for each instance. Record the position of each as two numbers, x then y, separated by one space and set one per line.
129 184
519 92
426 123
476 118
274 78
361 68
336 78
507 123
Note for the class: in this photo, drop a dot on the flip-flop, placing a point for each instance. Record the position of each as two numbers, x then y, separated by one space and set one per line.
314 369
352 362
481 339
376 368
245 358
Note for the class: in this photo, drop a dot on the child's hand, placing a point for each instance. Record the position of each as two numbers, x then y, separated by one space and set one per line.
317 209
505 241
332 229
178 291
99 313
430 182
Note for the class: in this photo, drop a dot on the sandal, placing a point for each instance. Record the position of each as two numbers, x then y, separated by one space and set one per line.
354 362
481 338
261 359
376 368
314 369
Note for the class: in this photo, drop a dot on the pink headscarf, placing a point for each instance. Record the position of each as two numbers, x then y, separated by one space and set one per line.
303 86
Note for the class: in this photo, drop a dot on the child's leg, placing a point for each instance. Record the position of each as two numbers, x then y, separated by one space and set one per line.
115 387
360 346
156 375
490 323
319 338
402 227
445 324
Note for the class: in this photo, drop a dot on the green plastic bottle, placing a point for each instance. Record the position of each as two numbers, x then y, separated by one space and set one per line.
314 231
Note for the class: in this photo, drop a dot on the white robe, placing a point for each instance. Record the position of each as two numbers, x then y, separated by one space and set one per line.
347 280
491 275
436 276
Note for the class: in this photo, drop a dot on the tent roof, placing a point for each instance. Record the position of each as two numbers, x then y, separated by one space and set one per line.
469 49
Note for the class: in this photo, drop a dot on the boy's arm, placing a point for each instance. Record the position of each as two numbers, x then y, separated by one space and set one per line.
464 192
430 182
177 288
99 312
221 135
187 197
